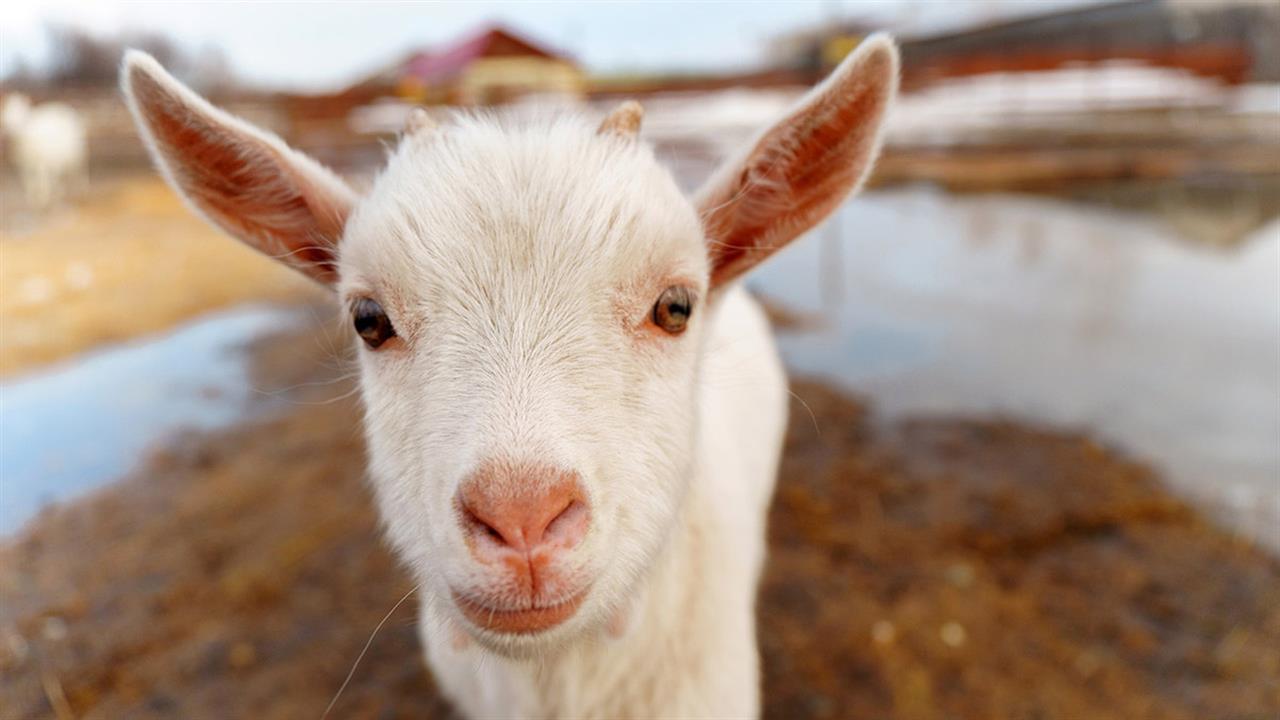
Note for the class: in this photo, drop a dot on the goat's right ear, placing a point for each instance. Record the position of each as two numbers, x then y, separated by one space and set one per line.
243 179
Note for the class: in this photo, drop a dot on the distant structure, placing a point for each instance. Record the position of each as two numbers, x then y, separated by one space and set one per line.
490 67
815 50
1231 40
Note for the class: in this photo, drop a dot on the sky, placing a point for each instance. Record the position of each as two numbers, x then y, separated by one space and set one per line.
316 46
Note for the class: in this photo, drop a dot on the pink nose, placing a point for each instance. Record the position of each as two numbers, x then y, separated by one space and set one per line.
519 509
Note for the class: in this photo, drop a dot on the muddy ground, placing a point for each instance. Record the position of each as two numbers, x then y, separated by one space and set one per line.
934 568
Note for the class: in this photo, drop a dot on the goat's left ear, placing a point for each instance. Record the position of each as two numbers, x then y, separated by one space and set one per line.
243 179
802 168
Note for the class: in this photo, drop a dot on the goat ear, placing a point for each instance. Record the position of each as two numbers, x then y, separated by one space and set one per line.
802 168
624 121
243 179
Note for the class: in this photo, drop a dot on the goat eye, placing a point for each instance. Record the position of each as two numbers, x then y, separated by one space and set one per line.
672 311
372 323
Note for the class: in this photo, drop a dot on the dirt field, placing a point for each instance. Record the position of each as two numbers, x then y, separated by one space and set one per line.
925 569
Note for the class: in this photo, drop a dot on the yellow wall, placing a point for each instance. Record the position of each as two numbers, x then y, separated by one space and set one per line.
491 77
835 49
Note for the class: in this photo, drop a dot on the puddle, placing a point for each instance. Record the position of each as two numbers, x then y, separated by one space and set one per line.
80 424
1058 313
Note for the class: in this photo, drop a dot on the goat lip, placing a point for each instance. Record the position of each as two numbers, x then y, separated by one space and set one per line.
527 621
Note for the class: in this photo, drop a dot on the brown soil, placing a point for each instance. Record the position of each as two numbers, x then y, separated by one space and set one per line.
927 569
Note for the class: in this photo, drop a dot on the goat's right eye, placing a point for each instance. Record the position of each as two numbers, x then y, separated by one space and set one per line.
672 310
371 321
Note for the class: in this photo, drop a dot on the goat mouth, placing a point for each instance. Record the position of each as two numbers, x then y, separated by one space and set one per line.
525 621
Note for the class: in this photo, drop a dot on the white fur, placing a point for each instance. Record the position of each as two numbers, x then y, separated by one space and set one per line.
687 648
519 265
49 148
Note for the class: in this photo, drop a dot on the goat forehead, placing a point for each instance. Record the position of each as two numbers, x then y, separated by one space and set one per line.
481 203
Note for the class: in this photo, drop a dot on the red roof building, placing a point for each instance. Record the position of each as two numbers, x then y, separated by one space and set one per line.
494 65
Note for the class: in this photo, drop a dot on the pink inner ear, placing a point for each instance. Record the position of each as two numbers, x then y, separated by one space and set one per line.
801 170
242 183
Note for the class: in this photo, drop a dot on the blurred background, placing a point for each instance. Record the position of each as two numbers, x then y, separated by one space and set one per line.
1034 463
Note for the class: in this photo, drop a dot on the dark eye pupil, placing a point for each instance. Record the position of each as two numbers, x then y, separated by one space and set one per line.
371 322
671 312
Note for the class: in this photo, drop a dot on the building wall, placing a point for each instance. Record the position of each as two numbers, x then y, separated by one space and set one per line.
1232 40
498 79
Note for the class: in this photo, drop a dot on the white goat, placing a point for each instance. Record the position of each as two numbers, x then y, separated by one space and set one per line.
574 413
49 148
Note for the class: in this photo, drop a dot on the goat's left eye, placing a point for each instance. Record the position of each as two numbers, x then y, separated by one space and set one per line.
672 311
371 322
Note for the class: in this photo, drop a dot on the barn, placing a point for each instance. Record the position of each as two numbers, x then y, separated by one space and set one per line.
492 66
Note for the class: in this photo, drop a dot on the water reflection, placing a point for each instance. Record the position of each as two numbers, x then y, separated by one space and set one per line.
83 423
1059 313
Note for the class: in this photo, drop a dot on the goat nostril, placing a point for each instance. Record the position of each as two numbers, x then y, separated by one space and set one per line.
479 527
568 526
521 517
563 511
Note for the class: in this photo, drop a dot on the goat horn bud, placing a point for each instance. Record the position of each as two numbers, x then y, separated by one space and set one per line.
419 120
624 121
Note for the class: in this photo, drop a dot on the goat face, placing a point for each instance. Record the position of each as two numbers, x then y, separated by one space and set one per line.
531 422
532 305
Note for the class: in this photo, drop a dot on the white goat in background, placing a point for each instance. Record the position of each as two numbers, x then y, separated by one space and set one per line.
48 146
574 412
